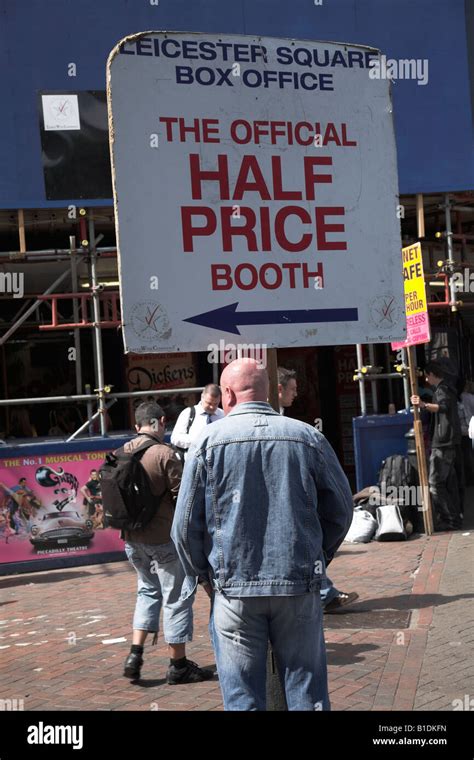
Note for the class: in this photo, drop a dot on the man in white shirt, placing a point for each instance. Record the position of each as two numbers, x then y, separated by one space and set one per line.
189 425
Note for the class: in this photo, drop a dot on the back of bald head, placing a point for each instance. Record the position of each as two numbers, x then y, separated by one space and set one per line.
247 379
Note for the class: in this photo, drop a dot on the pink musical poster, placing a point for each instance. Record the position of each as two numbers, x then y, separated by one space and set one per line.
51 506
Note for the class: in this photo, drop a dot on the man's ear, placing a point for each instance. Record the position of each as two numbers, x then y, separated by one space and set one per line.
231 397
137 428
280 388
163 421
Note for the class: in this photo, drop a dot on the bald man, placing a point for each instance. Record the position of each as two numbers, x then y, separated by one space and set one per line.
263 506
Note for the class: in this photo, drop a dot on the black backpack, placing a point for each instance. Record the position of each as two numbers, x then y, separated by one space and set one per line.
192 415
395 471
127 498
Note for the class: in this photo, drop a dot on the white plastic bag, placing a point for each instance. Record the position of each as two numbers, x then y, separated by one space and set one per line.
471 428
390 524
362 528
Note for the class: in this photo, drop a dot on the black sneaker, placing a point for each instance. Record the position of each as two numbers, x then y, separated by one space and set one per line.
341 600
189 673
133 666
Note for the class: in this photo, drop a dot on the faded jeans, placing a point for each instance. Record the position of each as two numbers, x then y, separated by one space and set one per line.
160 578
242 627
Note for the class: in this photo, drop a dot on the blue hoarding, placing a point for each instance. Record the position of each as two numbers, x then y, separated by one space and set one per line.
433 112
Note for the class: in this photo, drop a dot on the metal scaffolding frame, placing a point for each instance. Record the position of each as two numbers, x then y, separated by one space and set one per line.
371 373
89 253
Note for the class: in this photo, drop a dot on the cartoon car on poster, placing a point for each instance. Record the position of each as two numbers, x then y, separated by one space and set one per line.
60 529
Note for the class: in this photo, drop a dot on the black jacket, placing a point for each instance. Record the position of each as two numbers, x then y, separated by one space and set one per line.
445 430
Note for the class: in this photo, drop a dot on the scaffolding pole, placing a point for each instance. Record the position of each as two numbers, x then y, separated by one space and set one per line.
360 363
93 396
449 245
47 400
5 383
75 311
89 411
89 397
50 254
406 382
373 386
96 328
420 215
38 302
88 422
390 382
21 231
371 377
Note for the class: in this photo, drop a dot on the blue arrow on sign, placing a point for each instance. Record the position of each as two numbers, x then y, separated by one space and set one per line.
226 318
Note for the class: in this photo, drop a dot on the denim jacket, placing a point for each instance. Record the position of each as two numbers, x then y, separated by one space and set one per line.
263 505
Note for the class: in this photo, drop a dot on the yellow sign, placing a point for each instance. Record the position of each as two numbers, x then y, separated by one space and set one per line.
416 305
414 280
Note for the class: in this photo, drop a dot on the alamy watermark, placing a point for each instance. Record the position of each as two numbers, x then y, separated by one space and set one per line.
409 496
466 704
46 734
12 282
403 68
463 282
12 704
225 353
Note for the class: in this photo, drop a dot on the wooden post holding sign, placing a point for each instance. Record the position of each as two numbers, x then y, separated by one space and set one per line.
420 446
418 331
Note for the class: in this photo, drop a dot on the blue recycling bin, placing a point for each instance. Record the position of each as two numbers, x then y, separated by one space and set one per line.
376 437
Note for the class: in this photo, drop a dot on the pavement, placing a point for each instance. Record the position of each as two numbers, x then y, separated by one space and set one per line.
406 644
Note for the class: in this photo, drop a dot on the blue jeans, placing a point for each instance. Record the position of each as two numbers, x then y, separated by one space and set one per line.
293 624
328 591
160 578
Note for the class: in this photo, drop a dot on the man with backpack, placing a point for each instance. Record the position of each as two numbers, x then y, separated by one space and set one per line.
148 545
193 420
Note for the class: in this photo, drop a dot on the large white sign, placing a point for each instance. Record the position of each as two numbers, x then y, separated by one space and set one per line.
256 191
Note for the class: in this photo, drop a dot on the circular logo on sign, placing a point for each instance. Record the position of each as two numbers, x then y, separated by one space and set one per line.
384 311
62 108
150 321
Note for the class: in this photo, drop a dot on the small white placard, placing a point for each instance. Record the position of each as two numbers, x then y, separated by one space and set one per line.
60 112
